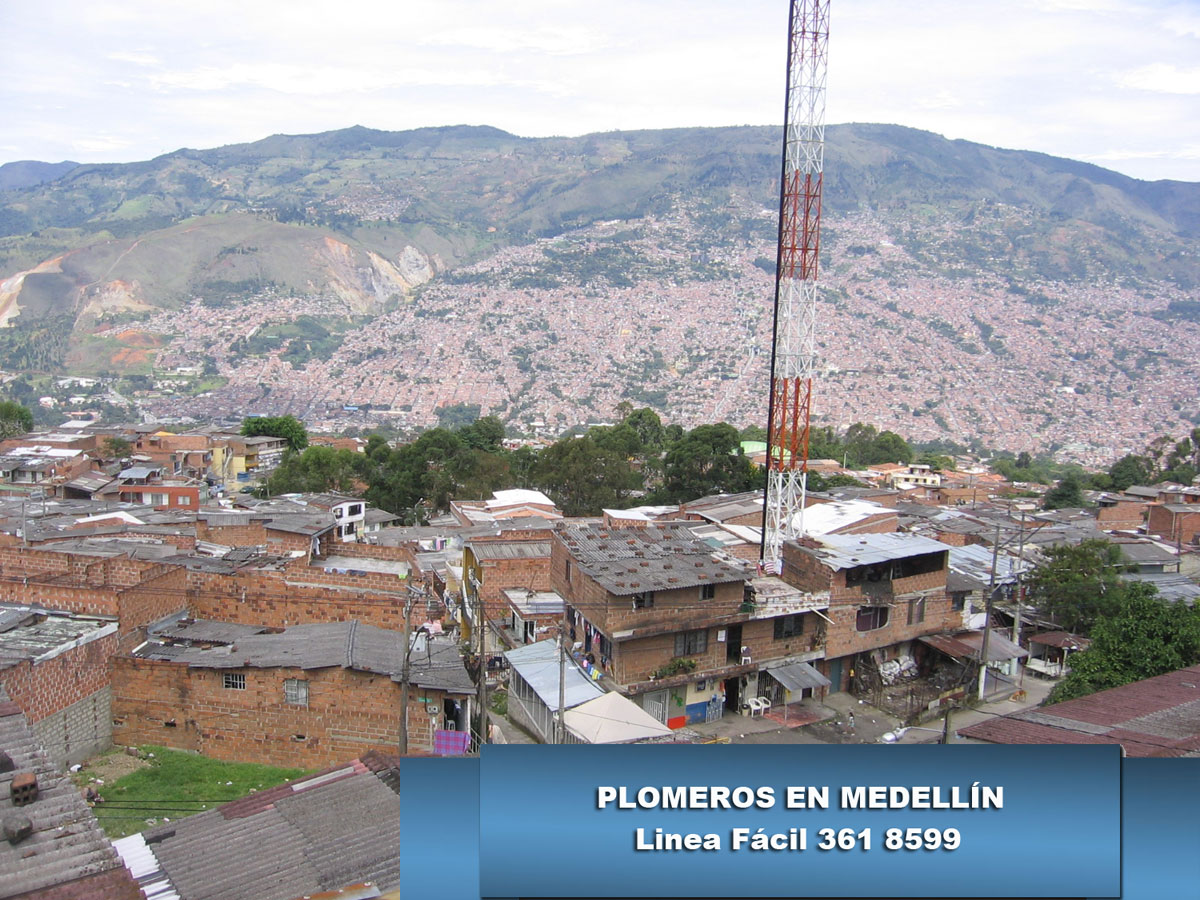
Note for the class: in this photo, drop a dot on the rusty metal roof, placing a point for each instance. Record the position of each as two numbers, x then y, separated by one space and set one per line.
1154 717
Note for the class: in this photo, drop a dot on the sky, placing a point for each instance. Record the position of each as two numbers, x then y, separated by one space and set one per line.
1112 82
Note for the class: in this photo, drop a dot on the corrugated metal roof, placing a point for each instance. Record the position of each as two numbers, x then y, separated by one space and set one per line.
848 551
67 843
798 676
494 549
310 836
629 560
969 645
538 664
1157 716
351 645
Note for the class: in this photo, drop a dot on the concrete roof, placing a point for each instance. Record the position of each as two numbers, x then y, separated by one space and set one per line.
824 518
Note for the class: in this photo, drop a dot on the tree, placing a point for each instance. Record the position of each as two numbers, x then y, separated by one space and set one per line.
289 428
116 448
483 434
1144 637
1078 585
317 470
582 478
15 419
1067 494
707 460
1130 470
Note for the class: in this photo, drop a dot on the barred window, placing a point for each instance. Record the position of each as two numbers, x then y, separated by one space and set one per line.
708 591
789 626
234 681
295 691
689 643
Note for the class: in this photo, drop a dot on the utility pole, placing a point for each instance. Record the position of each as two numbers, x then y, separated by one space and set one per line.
560 731
1016 632
404 676
481 625
946 732
987 619
409 604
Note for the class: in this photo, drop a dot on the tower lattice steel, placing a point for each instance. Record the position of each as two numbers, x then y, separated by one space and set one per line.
794 344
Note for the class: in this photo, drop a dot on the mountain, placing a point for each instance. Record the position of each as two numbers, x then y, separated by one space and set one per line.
29 173
629 265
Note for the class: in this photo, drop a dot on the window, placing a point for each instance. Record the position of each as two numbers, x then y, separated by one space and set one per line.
958 601
643 600
689 643
789 626
708 591
871 617
234 681
916 610
355 510
295 691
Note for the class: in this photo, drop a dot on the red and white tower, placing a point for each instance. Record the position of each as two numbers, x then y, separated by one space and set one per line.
794 347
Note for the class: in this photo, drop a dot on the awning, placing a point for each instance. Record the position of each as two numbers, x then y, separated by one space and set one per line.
798 676
968 644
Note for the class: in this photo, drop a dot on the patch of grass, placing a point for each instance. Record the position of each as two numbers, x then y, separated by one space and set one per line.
178 784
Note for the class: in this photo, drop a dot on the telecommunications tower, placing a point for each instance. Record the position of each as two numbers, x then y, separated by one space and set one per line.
794 344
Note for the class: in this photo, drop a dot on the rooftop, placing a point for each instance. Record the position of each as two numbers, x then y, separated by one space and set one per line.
67 843
851 550
1155 717
436 665
319 833
38 634
628 560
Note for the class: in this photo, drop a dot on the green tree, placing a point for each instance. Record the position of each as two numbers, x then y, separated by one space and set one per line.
317 470
15 419
708 460
289 428
116 448
582 478
1078 584
649 428
1145 636
1067 494
1130 470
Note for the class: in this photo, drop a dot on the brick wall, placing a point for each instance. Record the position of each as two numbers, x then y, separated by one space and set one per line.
498 574
1170 525
78 732
348 713
252 535
843 637
1121 515
759 636
263 598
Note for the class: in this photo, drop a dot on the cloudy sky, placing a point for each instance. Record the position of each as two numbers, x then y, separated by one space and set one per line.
1115 82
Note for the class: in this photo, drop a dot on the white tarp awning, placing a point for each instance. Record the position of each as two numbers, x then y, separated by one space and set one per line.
613 719
798 676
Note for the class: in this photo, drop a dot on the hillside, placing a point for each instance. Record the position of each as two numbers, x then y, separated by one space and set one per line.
549 278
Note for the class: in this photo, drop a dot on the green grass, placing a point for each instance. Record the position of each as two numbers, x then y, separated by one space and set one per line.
178 784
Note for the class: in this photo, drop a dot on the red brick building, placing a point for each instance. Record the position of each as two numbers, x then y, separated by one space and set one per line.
302 696
885 591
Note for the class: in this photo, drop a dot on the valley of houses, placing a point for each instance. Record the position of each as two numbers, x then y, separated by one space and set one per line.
146 601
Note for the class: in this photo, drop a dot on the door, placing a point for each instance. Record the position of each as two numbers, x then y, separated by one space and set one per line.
835 675
733 645
733 694
655 703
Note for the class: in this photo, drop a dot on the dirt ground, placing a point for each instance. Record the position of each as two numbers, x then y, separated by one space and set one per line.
108 767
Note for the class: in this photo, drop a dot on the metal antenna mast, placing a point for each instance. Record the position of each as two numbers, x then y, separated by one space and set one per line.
794 346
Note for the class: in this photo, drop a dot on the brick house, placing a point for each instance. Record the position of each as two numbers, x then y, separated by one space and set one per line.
54 665
1175 522
885 591
302 696
672 624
